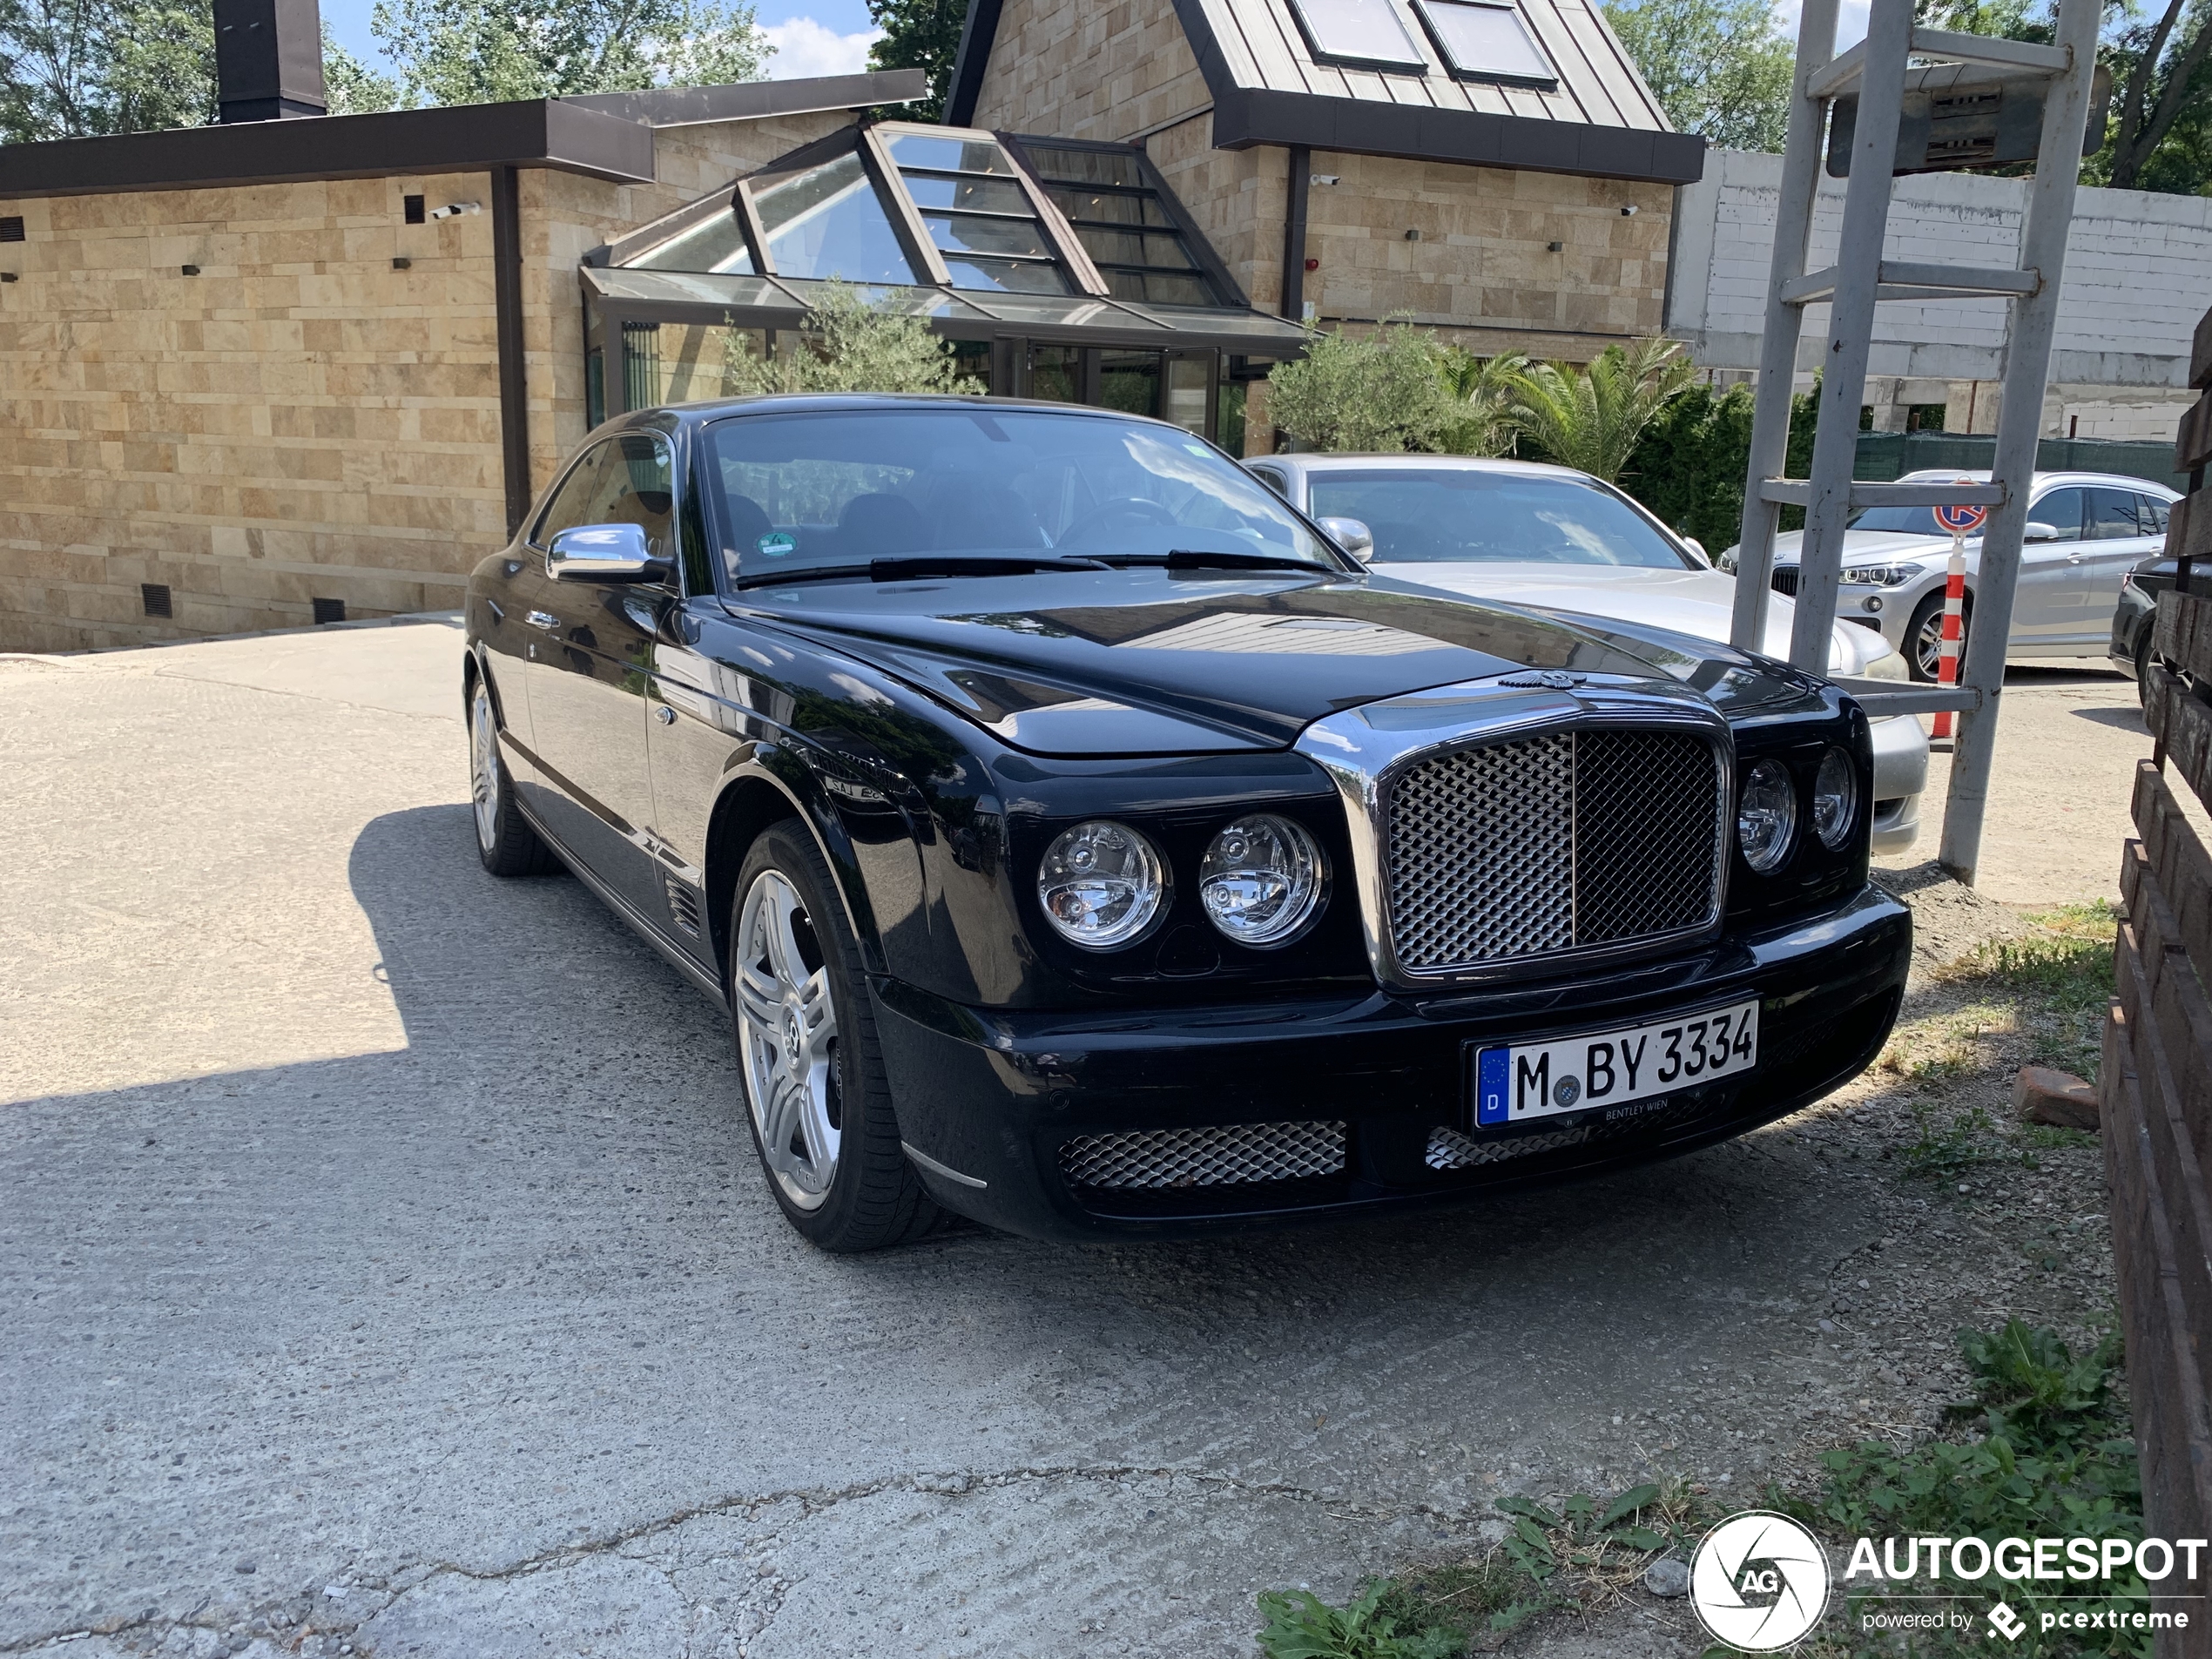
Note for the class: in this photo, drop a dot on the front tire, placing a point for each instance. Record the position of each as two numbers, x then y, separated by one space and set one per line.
1924 636
505 841
816 1090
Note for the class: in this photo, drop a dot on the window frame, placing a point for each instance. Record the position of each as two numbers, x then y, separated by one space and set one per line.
2082 507
1488 76
1414 64
672 555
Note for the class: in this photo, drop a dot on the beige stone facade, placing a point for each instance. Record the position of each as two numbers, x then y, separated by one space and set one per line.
1467 250
299 420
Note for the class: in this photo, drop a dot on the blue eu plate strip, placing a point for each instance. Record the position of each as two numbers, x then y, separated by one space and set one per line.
1493 1077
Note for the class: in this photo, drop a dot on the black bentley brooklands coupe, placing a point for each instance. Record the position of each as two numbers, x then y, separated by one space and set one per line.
1082 841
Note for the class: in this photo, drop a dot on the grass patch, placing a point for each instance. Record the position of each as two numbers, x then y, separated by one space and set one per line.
2053 1458
1434 1612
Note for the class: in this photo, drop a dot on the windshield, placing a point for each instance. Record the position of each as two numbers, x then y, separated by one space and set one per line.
1906 521
1460 514
843 488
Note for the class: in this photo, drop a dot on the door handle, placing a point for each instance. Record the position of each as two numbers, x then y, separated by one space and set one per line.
664 714
544 619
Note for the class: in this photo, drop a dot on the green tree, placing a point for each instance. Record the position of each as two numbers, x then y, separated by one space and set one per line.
73 69
1591 418
472 51
920 33
851 346
1717 67
353 87
1383 391
1482 391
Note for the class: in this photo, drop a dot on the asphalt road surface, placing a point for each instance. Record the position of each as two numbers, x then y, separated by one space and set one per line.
382 1251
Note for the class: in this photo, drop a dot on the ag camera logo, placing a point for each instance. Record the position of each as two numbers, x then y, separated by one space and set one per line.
1759 1581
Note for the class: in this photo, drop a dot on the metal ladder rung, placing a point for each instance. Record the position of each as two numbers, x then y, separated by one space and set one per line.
1915 279
1882 698
1947 46
1797 492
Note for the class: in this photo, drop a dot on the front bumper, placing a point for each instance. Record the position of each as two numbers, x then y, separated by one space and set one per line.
993 1103
1900 777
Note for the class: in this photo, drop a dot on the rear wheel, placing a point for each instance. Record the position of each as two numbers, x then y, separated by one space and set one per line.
505 840
816 1090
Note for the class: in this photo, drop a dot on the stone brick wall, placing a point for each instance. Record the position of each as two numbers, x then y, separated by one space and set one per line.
300 421
2138 275
1101 72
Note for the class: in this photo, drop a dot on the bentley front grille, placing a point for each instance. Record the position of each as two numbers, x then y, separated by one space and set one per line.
1225 1155
1552 843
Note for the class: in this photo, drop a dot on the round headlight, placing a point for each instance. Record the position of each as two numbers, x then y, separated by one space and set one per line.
1101 884
1835 800
1261 880
1766 816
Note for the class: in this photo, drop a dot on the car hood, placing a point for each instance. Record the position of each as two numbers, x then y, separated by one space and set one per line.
1698 603
1143 662
1862 545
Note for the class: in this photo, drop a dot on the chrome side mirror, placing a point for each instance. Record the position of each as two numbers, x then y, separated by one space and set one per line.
603 553
2039 531
1353 537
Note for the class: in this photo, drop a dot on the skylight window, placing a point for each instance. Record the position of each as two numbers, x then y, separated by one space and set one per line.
1122 224
977 215
1367 33
1482 41
826 221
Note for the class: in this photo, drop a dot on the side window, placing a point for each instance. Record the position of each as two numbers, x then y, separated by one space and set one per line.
2061 510
2152 514
1273 480
2112 517
570 505
631 484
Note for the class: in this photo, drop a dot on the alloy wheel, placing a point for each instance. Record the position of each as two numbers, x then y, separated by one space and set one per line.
1928 645
787 1039
484 767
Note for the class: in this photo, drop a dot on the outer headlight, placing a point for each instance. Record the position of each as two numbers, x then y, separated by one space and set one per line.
1835 800
1883 575
1261 880
1766 816
1101 884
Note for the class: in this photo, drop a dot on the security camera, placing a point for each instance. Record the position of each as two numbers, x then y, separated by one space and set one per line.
1328 178
1629 211
452 209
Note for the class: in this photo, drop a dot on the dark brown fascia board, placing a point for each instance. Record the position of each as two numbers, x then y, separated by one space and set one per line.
751 100
1247 116
468 138
973 59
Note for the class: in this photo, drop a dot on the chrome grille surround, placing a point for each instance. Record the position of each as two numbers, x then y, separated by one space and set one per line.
1216 1156
1508 826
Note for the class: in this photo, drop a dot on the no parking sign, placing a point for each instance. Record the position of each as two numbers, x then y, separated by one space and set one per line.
1961 520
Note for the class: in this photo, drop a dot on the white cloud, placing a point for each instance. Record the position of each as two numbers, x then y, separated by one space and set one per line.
805 47
1850 22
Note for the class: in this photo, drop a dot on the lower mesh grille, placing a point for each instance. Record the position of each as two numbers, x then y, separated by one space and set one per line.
1449 1150
1225 1155
1784 579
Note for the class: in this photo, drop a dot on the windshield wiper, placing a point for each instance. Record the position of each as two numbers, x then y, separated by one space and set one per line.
1190 558
907 567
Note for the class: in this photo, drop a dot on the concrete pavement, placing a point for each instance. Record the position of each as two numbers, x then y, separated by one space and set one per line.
386 1255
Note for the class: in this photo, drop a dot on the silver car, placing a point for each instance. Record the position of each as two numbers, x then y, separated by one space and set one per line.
2086 531
1559 540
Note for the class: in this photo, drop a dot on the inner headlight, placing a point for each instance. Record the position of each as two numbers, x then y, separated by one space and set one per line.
1260 881
1881 575
1101 884
1835 800
1766 816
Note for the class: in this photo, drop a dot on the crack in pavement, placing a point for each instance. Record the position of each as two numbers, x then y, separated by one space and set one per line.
812 1500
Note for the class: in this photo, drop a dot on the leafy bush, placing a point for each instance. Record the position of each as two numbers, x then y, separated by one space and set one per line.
1301 1626
1591 418
849 346
1482 391
1384 391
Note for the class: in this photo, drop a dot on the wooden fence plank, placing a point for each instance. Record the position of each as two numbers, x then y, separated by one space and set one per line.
2183 866
2181 721
2192 442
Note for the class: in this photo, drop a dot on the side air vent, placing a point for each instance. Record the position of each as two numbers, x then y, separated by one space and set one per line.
683 906
10 227
155 596
329 611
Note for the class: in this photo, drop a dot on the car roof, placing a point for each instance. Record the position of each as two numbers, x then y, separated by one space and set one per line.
2043 480
668 414
1399 461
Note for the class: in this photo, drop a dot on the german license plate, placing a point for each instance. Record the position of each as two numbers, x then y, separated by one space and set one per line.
1600 1069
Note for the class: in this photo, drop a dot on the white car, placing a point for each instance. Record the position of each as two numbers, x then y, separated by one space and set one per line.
1559 540
2086 531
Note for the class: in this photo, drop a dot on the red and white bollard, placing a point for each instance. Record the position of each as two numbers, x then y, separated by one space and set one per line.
1954 623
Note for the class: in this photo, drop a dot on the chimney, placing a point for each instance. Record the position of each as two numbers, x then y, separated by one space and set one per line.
268 59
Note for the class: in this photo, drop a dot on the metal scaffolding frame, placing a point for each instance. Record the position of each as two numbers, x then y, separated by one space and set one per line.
1877 70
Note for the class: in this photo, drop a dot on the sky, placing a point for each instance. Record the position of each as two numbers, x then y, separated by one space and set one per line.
1851 23
811 38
